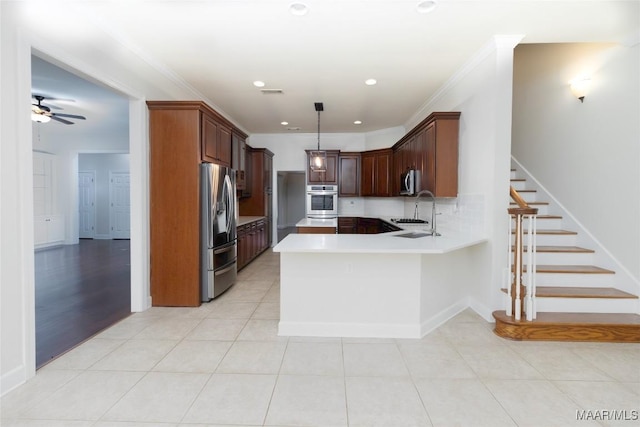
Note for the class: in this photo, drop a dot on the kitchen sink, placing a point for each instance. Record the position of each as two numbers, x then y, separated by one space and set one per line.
409 221
415 234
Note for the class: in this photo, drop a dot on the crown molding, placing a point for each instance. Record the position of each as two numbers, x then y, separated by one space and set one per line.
494 44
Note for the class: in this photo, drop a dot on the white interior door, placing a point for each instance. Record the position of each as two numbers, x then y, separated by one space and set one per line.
120 205
87 204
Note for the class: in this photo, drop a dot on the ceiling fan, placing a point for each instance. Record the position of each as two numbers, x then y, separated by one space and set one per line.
42 114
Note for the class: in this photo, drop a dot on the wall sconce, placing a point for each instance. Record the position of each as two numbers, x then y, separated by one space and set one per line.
580 87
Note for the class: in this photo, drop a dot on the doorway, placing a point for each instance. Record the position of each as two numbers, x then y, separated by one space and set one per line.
87 204
83 280
120 205
291 203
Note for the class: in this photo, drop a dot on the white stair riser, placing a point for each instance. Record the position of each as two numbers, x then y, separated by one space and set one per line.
564 258
587 305
576 280
513 175
530 197
550 239
519 185
541 223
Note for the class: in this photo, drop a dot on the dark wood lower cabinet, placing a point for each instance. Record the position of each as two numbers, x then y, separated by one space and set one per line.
316 230
252 241
359 225
347 225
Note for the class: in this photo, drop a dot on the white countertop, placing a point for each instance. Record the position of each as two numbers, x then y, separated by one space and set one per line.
313 222
450 240
242 220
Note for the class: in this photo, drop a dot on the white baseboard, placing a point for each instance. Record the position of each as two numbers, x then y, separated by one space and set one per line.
12 379
442 317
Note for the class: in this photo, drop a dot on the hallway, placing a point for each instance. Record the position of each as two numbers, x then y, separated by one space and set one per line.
79 291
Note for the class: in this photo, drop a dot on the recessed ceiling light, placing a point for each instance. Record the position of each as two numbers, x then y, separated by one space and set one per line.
370 82
426 6
284 123
298 9
357 122
258 83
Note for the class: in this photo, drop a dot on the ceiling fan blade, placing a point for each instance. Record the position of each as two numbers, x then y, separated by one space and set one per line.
72 116
66 122
50 98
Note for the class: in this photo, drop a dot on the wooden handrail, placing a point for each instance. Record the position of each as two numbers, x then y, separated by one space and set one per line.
517 198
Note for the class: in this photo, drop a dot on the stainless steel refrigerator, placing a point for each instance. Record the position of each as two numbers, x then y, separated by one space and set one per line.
219 215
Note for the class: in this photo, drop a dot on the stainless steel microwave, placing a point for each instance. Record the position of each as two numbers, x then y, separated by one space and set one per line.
410 182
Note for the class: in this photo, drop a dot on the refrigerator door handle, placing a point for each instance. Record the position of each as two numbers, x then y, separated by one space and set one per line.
209 204
228 187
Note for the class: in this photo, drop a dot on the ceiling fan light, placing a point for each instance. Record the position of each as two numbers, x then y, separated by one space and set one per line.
40 118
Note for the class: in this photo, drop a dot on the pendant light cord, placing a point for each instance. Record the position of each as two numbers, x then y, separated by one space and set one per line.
318 130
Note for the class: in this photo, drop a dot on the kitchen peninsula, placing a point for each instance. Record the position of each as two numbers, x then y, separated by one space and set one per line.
400 284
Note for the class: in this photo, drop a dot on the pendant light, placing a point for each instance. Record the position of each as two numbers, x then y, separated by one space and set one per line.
318 159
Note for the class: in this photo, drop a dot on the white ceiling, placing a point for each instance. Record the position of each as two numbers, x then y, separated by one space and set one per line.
219 47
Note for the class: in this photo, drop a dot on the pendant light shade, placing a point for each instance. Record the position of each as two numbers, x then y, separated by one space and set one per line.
318 159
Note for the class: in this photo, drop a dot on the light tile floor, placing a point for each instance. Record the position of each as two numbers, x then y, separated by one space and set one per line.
223 364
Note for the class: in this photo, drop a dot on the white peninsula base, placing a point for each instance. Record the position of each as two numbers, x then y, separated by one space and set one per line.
333 289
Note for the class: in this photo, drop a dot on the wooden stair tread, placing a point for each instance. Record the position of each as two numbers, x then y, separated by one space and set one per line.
580 292
518 179
590 327
548 216
549 232
573 269
630 319
531 203
559 249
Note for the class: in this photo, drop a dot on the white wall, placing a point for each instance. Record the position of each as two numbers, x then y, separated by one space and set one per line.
482 91
102 164
587 155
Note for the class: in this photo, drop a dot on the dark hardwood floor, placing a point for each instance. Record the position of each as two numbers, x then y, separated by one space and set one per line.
79 291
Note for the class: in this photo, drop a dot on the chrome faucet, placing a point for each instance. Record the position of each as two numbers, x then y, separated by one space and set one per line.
433 210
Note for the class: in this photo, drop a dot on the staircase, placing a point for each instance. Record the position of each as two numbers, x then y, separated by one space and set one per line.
575 300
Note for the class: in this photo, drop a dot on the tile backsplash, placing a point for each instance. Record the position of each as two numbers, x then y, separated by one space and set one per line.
464 213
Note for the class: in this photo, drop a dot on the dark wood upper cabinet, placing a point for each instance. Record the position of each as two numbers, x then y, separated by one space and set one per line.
216 141
432 148
331 174
239 161
377 166
349 175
